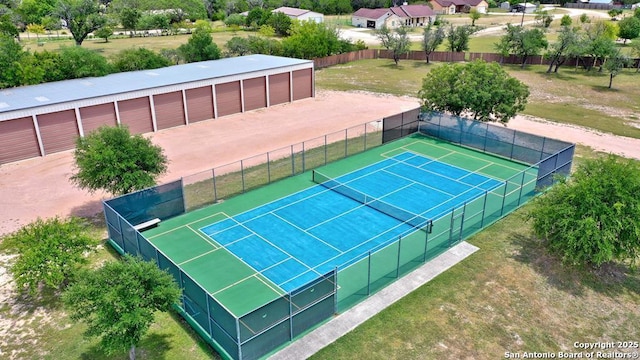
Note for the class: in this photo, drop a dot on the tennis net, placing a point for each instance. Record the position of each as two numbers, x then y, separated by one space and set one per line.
395 212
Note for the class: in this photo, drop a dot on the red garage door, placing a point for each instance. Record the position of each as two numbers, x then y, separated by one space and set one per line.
228 98
136 114
96 116
169 110
302 84
199 104
18 139
255 93
59 130
279 89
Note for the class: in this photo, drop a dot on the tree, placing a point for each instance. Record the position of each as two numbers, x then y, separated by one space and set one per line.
543 18
522 42
431 39
111 159
593 217
635 49
613 13
200 46
50 252
567 39
78 62
82 17
32 11
138 59
129 18
238 46
310 40
615 64
566 20
280 22
7 26
396 41
118 301
11 53
483 90
104 32
458 38
171 55
474 14
36 29
629 28
235 20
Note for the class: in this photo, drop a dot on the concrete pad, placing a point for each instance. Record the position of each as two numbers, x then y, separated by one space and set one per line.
352 318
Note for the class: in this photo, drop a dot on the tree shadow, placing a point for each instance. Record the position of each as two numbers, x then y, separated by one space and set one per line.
152 346
602 88
89 210
392 65
610 279
203 345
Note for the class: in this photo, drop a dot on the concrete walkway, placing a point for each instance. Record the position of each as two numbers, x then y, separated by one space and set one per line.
352 318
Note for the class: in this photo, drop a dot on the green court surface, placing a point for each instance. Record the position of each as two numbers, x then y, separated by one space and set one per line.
241 289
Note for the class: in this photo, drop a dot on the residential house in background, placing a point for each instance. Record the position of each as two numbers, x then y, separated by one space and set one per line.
300 14
449 7
404 15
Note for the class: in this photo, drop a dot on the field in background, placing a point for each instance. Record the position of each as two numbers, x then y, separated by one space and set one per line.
571 96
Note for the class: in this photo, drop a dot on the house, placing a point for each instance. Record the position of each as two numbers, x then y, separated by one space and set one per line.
449 7
603 2
404 15
300 14
527 8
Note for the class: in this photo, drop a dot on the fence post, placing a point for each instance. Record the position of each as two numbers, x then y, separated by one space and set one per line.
398 263
426 242
215 191
369 275
268 169
504 197
242 173
484 208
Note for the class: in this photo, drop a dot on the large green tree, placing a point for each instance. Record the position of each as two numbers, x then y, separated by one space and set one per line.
593 217
138 59
50 252
615 63
82 17
396 41
118 301
310 40
458 38
432 37
559 51
522 42
629 28
11 54
483 90
200 46
111 159
78 62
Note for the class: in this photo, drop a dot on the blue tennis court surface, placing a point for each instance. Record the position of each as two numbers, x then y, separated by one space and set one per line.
295 239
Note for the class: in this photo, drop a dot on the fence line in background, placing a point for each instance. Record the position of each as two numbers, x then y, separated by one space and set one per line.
447 56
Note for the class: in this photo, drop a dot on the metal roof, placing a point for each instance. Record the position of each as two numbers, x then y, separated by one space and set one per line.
26 97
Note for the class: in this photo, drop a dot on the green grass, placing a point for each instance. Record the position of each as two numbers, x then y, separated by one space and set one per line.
511 295
572 96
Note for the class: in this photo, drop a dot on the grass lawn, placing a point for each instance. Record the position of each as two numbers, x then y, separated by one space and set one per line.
571 96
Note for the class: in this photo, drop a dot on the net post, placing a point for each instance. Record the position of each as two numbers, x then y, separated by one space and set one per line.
369 275
484 208
504 197
426 242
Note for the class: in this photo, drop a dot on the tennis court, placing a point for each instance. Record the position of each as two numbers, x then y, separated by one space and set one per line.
277 239
298 246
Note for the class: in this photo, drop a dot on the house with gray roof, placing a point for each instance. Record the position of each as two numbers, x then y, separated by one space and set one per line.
300 14
394 17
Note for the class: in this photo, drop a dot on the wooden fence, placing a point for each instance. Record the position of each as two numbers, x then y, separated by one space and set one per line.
444 56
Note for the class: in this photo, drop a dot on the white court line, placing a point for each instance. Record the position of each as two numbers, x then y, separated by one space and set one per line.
207 239
199 256
187 224
304 231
